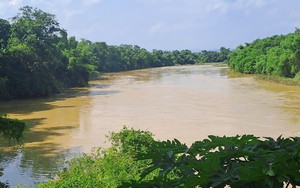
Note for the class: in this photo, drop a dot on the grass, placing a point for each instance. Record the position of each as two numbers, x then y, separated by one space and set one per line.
281 80
270 78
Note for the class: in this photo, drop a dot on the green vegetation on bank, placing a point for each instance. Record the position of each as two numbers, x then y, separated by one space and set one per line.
37 58
10 129
276 56
108 167
135 159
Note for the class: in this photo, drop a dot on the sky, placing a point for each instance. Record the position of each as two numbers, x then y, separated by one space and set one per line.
168 24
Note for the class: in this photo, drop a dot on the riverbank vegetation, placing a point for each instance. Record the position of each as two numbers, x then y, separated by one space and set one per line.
136 159
37 58
277 57
109 167
10 129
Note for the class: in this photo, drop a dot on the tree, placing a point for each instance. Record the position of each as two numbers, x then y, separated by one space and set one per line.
4 33
100 50
109 167
275 56
38 59
33 54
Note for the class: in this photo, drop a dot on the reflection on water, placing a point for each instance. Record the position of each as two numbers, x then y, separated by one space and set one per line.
186 102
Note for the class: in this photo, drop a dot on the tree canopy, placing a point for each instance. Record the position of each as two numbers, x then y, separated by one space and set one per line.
278 55
37 58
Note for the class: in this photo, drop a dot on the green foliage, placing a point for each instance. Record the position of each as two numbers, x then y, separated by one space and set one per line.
241 161
30 58
131 141
213 56
11 129
297 77
278 55
135 159
109 167
38 59
4 33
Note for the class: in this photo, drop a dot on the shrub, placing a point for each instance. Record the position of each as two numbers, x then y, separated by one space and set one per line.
11 129
135 159
241 161
108 167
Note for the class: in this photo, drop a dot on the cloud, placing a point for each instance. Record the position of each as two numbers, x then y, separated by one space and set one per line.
158 28
15 2
91 2
224 6
219 6
72 13
251 4
165 22
8 8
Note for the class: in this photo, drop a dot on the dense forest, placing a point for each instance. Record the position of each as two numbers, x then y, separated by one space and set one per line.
278 55
37 58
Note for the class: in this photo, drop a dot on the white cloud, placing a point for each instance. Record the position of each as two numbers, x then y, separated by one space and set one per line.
91 2
158 28
8 8
51 3
155 1
247 4
217 6
15 2
71 13
163 27
178 21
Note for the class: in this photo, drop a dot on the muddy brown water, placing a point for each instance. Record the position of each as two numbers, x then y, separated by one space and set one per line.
184 102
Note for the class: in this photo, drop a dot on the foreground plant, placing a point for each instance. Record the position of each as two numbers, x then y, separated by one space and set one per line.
135 159
241 161
108 167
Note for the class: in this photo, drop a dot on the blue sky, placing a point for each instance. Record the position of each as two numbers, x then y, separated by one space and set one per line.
168 24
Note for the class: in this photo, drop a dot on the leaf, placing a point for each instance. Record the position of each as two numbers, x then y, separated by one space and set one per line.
270 172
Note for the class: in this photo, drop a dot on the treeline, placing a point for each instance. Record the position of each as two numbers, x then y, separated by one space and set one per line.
278 55
37 58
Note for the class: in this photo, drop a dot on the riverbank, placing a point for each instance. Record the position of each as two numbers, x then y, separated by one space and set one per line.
273 79
184 102
280 80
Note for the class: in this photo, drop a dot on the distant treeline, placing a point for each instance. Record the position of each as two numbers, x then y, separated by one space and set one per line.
37 58
278 55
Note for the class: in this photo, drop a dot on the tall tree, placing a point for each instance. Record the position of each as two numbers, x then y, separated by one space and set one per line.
4 33
33 53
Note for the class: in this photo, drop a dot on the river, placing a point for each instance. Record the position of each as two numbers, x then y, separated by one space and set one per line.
183 102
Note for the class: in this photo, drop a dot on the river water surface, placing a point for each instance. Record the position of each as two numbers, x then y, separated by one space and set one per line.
184 102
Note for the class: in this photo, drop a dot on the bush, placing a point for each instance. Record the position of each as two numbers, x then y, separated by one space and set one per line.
108 167
135 159
241 161
11 129
297 78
